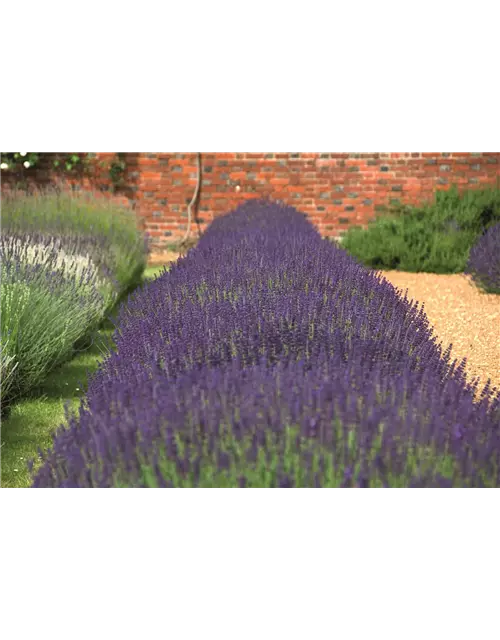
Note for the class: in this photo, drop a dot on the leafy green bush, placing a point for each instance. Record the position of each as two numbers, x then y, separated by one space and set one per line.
434 238
16 162
12 159
21 165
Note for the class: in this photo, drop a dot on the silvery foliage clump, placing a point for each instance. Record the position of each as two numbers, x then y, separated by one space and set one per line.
8 365
49 301
484 260
71 254
269 357
83 224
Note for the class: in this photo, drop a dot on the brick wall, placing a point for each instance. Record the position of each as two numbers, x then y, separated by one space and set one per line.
335 190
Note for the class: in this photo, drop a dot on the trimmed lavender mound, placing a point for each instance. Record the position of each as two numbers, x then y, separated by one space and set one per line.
269 357
484 260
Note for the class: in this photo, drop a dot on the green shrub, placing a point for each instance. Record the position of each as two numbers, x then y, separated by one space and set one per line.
434 238
17 162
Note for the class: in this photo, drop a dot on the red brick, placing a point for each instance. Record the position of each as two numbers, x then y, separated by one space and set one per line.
238 175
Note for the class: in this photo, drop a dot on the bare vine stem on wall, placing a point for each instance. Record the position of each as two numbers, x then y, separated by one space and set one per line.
194 198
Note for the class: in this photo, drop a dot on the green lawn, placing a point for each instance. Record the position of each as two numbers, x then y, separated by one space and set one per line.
33 420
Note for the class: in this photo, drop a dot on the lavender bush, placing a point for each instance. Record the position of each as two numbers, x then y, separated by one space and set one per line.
484 261
70 255
84 224
8 365
49 301
269 357
68 258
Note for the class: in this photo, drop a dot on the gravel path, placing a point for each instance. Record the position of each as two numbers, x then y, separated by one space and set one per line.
461 315
159 259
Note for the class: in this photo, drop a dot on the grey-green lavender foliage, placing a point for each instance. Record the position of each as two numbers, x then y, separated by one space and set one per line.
67 259
86 223
46 308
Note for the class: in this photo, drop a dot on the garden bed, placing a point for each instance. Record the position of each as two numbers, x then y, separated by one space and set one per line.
262 362
194 351
459 313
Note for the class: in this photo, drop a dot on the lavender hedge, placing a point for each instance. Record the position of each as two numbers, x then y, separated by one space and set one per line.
269 357
484 260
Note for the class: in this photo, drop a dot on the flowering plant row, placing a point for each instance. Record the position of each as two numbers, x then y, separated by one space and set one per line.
268 357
